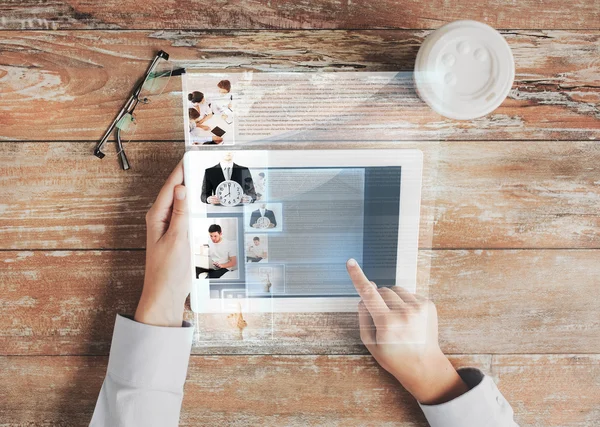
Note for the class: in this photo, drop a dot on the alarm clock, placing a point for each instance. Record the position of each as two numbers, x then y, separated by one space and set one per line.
230 193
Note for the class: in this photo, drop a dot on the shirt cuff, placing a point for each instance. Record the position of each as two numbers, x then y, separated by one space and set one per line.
148 356
482 405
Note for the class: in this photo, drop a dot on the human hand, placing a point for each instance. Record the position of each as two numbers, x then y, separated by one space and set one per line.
216 264
213 200
400 330
167 278
246 199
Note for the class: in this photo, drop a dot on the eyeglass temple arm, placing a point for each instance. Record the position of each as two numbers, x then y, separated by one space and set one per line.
97 151
121 153
132 98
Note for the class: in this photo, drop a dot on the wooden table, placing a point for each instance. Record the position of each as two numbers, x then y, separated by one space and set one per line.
515 251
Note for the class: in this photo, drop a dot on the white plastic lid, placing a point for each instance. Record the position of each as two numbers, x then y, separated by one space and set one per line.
464 70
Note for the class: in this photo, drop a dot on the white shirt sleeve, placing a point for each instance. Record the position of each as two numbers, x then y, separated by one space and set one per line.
146 372
482 406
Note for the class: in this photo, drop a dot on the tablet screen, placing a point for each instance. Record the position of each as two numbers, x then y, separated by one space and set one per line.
288 232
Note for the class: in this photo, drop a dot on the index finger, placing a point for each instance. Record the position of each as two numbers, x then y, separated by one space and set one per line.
371 298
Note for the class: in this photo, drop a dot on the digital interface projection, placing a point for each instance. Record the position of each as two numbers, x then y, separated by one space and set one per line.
275 231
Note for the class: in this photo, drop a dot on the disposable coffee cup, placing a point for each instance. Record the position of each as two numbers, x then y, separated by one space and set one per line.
464 70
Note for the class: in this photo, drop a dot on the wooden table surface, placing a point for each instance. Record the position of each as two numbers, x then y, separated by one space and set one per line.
514 249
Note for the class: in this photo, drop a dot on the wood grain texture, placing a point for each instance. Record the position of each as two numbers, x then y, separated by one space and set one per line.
540 388
544 390
78 81
527 301
288 14
480 195
525 176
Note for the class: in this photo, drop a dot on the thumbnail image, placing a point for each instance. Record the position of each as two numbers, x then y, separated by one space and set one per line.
216 244
210 113
265 280
263 217
257 247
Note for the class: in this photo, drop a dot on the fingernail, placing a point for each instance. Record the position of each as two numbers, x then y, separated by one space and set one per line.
351 262
180 193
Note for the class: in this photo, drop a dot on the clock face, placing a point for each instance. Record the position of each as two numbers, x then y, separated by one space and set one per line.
263 222
230 193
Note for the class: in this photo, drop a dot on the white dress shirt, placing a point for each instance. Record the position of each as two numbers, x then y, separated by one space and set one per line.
199 135
204 109
227 168
220 103
144 380
201 107
147 367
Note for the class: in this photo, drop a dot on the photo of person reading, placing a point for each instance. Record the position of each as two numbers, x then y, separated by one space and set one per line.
228 172
256 251
263 218
199 133
222 254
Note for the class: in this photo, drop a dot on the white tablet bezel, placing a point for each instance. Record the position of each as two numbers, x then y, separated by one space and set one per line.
411 162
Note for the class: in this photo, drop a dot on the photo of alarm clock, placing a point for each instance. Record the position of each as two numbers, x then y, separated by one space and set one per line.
230 193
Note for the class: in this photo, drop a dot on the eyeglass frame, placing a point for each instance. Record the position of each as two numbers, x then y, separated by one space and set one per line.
129 107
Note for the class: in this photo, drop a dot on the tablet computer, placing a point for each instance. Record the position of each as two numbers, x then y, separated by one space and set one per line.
218 131
271 231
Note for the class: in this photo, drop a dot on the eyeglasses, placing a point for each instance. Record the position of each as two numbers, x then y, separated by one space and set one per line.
153 83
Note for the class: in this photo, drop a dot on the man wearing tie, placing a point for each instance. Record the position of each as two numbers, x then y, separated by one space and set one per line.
226 170
263 212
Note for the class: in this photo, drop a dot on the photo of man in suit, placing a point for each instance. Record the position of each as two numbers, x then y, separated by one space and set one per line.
226 169
263 212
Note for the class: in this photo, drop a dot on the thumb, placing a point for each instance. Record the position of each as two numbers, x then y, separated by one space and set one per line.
179 215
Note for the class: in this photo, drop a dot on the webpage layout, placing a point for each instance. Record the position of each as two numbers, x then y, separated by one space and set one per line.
287 232
226 109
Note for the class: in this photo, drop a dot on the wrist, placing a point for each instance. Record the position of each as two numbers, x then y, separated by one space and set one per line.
159 311
434 381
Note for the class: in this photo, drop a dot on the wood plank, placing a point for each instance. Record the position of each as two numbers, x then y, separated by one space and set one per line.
552 390
521 301
223 390
480 195
287 14
79 80
517 195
